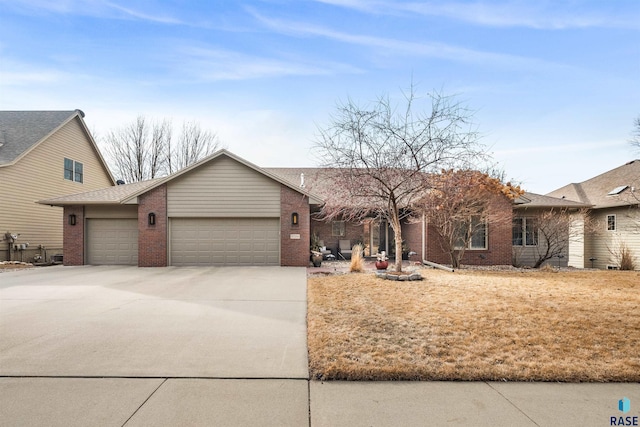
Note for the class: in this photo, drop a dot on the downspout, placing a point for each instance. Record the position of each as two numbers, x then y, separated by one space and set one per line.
423 236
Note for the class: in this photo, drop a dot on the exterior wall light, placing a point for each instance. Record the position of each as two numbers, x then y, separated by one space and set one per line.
152 218
72 219
294 218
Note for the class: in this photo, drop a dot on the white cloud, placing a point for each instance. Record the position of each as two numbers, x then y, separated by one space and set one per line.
539 14
211 64
394 46
96 8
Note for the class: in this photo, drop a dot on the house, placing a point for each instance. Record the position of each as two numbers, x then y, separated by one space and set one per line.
490 245
529 245
225 210
42 154
222 210
614 200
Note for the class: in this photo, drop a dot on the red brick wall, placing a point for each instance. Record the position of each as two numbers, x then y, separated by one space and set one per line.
73 236
294 252
412 236
498 250
152 239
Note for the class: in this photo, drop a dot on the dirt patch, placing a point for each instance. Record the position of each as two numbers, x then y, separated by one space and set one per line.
475 325
13 266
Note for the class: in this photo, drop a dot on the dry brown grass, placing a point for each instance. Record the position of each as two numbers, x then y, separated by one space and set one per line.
471 325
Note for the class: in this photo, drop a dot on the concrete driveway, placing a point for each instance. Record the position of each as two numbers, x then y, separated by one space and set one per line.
159 322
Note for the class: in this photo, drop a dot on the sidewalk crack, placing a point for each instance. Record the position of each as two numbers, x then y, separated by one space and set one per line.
512 404
145 401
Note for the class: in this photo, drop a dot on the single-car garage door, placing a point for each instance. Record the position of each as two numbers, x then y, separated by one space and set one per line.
112 241
225 241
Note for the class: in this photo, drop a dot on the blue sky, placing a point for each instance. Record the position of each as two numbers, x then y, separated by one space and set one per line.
555 84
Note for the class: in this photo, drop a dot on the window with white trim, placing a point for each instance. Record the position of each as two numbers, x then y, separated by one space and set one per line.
73 171
525 231
611 223
474 232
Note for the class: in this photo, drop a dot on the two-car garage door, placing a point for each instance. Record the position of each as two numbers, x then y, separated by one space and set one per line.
224 241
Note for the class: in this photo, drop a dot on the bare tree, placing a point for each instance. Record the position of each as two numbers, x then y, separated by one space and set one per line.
145 150
195 143
462 204
635 135
382 156
555 229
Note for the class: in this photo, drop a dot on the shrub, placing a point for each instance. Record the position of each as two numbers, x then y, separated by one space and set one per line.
357 262
626 257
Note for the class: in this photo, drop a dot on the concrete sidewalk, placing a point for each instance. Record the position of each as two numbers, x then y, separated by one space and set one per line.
296 402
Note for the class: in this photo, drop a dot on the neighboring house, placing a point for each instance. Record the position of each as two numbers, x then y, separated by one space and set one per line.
42 154
222 210
491 245
527 243
614 197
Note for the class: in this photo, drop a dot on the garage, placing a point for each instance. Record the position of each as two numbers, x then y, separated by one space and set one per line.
224 241
112 241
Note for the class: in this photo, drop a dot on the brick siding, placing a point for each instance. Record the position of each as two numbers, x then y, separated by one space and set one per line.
499 250
152 239
354 232
73 236
294 252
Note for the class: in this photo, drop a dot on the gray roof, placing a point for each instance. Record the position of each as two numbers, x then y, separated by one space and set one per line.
105 196
533 200
596 191
21 130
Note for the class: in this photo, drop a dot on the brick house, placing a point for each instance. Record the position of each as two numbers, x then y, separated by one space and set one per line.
220 211
227 211
421 241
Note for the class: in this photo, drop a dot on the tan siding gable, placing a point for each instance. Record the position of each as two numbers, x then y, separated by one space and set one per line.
223 187
603 242
40 175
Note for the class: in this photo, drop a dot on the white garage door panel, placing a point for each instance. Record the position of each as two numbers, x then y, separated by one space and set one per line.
225 241
112 241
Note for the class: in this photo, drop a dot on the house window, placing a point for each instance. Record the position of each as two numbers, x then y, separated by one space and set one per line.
338 228
531 231
611 223
517 231
474 232
524 231
479 236
73 171
68 169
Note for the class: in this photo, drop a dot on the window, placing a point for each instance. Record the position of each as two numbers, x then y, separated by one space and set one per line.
479 236
475 232
531 231
611 223
517 233
77 177
525 231
73 171
338 228
68 169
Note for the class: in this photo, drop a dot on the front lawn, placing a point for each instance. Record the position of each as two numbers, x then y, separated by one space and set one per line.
476 325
